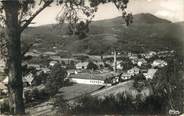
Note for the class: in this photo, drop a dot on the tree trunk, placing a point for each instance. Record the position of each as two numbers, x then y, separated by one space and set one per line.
15 84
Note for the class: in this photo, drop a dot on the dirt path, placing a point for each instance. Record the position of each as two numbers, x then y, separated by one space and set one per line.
114 89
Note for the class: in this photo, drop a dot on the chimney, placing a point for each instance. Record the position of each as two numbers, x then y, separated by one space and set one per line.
115 60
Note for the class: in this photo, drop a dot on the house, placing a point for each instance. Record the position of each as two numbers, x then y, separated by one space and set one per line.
141 62
36 66
134 71
69 61
2 65
82 65
28 79
100 64
125 76
159 63
132 56
49 53
56 58
91 78
52 63
71 72
134 60
150 54
45 70
119 66
3 88
150 74
33 54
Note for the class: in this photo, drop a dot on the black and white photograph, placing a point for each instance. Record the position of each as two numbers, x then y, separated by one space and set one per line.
92 57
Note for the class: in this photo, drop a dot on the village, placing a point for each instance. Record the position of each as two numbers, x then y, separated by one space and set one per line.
97 72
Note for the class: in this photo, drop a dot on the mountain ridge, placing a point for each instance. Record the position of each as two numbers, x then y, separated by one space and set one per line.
146 33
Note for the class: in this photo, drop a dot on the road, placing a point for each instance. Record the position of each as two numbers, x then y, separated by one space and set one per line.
119 88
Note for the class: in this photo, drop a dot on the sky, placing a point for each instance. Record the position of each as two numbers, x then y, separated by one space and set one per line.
172 10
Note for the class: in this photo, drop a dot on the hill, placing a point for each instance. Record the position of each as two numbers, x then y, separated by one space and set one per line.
146 33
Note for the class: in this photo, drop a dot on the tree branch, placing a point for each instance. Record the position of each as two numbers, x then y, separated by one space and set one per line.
46 4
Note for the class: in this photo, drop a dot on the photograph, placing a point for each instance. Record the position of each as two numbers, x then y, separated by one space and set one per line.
92 57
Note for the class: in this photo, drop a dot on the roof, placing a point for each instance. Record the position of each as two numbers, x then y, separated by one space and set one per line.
34 54
49 53
82 64
93 76
28 78
159 61
126 74
5 81
142 60
2 63
2 86
134 68
150 73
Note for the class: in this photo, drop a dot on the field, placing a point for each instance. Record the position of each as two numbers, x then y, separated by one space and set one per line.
77 90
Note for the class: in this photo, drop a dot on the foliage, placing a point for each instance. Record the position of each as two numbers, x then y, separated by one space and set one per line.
92 66
139 82
119 105
108 66
40 78
4 106
168 83
80 26
61 105
126 64
153 105
55 79
109 105
16 16
35 95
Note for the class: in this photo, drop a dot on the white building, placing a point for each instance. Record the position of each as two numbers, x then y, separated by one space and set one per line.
150 74
52 63
26 79
141 62
2 65
91 78
159 63
125 76
119 66
134 71
82 65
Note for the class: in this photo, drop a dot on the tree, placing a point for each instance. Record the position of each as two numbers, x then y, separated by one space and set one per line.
55 79
168 83
92 66
18 15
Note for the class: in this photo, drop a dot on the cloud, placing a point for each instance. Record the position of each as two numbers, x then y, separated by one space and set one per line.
106 11
165 14
170 9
